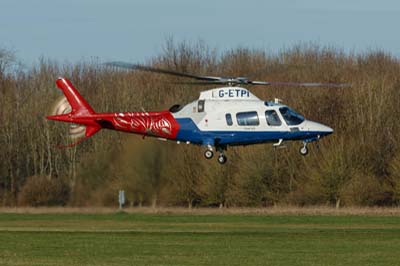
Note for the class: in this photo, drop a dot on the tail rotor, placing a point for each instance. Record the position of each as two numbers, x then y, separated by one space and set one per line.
62 107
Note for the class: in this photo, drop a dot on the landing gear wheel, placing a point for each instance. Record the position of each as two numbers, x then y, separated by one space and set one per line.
222 159
304 150
208 154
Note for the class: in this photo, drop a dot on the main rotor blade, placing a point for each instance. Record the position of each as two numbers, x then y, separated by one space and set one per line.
202 83
301 84
232 81
162 71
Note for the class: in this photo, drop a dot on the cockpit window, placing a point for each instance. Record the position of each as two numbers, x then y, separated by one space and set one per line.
291 117
272 118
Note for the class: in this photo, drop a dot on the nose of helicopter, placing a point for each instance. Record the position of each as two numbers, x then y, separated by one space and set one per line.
317 128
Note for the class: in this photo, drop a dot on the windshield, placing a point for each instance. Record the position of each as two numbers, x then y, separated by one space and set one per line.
291 117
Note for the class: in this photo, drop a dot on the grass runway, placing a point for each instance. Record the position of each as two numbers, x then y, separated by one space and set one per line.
192 239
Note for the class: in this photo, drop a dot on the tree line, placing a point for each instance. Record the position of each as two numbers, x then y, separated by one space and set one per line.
359 165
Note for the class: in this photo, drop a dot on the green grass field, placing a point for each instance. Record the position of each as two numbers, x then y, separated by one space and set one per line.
190 239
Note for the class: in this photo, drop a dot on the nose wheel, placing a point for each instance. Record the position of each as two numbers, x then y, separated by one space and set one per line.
304 149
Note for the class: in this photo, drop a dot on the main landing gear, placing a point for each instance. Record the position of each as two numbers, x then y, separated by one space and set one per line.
208 154
304 150
222 158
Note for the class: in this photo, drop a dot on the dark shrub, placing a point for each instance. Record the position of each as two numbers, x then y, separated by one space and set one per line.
43 191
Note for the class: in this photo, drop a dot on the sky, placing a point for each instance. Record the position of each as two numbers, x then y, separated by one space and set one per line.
135 31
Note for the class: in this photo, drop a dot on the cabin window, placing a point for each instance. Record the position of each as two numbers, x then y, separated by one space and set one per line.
200 106
291 117
229 119
272 118
247 119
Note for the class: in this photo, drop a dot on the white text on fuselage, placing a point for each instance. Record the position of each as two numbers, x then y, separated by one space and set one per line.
233 93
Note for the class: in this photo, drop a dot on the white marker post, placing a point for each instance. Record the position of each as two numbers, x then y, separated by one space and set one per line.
121 199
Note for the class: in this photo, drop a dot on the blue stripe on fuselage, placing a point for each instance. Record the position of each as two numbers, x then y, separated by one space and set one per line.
188 131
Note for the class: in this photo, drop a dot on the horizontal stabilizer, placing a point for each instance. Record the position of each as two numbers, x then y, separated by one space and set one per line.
91 130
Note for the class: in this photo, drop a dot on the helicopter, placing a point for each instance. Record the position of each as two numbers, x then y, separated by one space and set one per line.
228 115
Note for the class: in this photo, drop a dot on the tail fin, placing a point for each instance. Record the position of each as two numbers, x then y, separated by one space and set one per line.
78 104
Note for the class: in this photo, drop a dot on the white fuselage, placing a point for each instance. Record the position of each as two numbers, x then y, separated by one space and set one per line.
233 116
